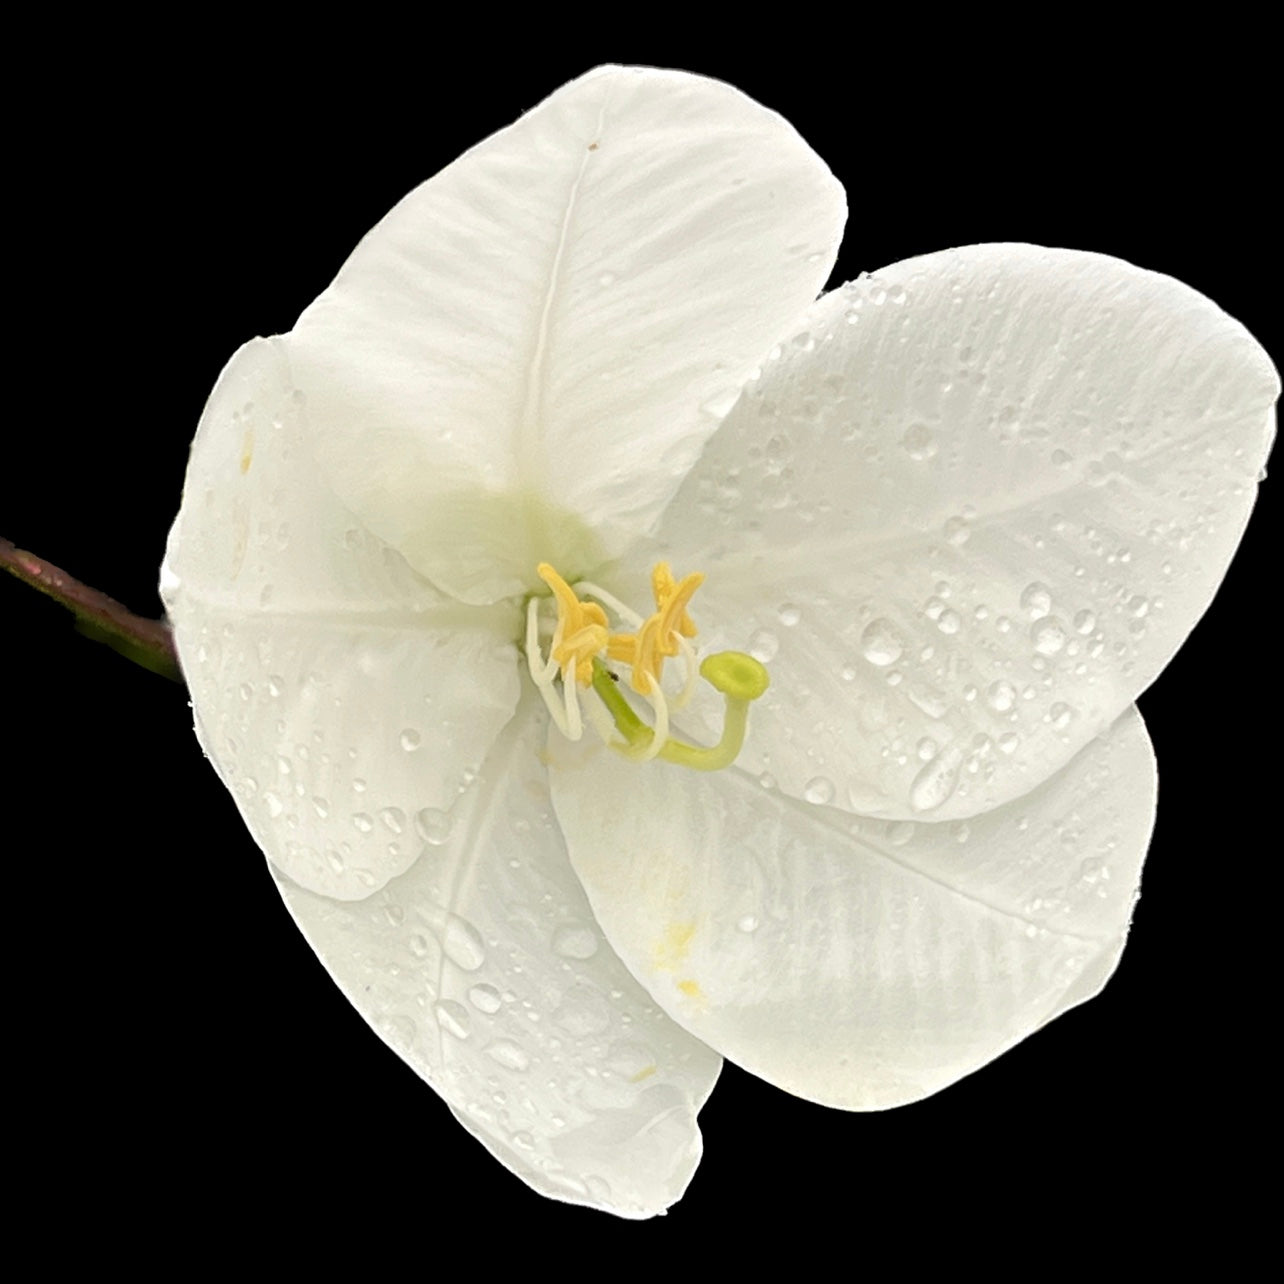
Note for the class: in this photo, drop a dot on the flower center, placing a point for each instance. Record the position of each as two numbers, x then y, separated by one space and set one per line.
585 651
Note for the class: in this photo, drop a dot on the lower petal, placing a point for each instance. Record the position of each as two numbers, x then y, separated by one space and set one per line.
860 963
483 969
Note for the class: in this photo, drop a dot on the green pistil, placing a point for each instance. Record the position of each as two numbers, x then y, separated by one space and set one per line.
739 677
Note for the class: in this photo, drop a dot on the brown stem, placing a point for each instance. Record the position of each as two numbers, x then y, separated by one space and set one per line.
146 642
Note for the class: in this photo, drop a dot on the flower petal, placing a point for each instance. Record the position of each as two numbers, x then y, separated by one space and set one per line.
972 511
336 692
483 969
522 359
862 964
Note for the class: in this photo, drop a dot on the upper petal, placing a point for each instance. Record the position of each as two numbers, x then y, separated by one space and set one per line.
483 969
969 513
337 693
535 344
860 963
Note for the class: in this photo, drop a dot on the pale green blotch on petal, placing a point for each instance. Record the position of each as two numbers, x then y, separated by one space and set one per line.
482 547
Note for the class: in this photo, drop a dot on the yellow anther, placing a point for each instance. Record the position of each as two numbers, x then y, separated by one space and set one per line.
581 631
646 650
671 598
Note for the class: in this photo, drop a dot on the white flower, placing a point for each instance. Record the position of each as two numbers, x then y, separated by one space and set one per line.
965 511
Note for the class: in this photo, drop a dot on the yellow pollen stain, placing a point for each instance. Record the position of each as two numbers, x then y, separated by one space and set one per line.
247 450
673 947
691 989
645 1073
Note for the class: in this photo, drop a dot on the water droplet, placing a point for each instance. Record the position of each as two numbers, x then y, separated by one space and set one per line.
575 941
463 944
1000 696
1138 606
747 923
1085 622
936 782
394 818
1008 741
363 822
819 790
948 621
485 998
927 749
763 646
918 442
931 700
274 805
453 1018
508 1055
1060 715
956 531
789 614
1048 635
899 832
433 826
410 739
1036 599
880 643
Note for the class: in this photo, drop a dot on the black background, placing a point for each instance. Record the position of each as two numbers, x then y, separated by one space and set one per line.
182 1057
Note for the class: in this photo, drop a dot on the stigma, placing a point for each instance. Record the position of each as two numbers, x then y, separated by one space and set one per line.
577 659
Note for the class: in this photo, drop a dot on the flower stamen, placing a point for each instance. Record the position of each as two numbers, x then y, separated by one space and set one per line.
581 646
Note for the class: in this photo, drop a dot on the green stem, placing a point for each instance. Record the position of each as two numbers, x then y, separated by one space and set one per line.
149 643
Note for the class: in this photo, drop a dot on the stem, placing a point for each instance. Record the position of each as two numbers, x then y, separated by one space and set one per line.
149 643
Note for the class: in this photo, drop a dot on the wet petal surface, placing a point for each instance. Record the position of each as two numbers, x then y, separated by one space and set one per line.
968 514
482 967
336 692
855 962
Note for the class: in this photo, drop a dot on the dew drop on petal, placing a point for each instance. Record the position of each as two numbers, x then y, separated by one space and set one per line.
462 944
819 790
432 825
485 998
410 739
1036 600
763 646
1000 696
880 643
936 781
1048 635
508 1054
918 442
453 1018
575 941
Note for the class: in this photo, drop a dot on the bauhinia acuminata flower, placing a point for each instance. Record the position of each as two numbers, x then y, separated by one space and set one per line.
626 659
